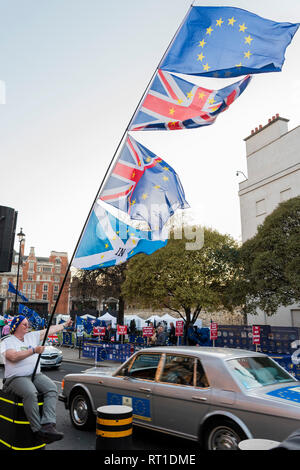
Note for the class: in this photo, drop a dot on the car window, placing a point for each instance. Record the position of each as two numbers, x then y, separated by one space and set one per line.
143 367
253 372
178 370
201 379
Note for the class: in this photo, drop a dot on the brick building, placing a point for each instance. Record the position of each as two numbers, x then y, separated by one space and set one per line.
40 280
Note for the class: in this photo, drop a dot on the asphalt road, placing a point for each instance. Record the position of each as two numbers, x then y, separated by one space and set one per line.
86 440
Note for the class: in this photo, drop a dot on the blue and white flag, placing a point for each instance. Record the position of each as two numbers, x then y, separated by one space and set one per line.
34 319
11 288
228 42
108 241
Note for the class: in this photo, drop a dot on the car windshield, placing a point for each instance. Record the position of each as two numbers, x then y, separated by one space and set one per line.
253 372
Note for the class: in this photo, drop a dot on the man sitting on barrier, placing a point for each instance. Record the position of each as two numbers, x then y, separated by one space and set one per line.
20 353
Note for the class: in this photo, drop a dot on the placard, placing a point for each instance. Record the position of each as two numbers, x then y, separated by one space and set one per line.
99 331
255 334
148 331
213 330
179 328
122 329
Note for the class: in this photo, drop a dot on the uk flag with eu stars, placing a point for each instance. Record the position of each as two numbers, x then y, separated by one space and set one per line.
144 186
173 103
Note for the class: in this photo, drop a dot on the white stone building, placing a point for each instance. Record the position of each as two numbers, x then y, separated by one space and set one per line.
273 165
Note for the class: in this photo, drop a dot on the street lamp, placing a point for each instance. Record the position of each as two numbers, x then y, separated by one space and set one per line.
21 237
240 172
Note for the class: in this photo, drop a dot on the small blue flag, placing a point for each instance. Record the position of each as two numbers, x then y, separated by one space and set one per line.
11 288
108 241
228 42
144 186
34 319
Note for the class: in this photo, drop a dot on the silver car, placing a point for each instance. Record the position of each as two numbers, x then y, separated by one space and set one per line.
51 357
216 396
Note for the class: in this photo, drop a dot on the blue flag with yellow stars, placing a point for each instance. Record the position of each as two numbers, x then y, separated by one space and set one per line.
227 42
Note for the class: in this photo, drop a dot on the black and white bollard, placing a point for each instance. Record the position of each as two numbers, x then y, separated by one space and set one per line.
114 428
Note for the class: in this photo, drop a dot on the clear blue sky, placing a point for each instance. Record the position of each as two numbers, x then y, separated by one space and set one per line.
74 72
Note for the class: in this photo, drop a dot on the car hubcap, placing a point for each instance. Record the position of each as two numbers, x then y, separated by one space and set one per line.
80 410
224 438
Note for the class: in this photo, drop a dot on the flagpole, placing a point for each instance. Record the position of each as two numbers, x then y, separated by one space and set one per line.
107 174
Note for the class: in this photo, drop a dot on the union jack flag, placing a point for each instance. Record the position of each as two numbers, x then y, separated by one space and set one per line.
173 103
144 186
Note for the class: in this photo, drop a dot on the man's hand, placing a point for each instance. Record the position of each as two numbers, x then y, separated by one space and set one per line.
39 349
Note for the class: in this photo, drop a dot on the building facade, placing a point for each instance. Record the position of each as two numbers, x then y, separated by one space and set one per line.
40 280
273 165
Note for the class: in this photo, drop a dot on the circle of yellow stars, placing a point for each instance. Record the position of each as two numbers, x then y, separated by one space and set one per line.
231 22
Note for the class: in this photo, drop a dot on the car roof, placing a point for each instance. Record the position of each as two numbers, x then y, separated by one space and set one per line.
221 353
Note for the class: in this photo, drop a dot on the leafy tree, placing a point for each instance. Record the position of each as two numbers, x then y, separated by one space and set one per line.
271 261
102 283
182 280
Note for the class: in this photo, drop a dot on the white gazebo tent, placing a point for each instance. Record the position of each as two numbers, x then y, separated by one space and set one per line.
108 318
153 318
139 322
168 319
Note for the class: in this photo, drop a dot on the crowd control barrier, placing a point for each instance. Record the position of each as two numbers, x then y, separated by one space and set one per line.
15 430
107 351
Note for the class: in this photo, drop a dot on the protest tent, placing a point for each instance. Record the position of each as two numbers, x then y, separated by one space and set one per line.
108 318
139 322
168 318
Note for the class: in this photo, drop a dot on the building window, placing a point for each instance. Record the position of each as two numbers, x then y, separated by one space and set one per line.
285 194
45 287
260 207
56 288
30 277
57 269
47 269
31 267
45 296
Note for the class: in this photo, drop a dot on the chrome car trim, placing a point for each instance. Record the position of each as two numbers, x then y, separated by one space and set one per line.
231 416
86 390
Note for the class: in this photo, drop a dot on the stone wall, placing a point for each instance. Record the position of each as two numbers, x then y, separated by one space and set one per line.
221 317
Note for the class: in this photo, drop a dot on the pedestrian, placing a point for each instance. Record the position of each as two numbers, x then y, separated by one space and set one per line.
5 329
172 337
109 334
192 336
161 336
20 352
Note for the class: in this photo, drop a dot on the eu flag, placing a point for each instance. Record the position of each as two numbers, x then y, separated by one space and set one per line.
11 288
228 42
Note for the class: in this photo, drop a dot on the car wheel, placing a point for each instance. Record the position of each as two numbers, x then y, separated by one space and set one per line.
81 413
223 435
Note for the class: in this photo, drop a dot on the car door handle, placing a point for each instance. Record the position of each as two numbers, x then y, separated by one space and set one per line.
199 398
148 390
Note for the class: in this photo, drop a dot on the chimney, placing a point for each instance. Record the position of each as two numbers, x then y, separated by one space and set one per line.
264 135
